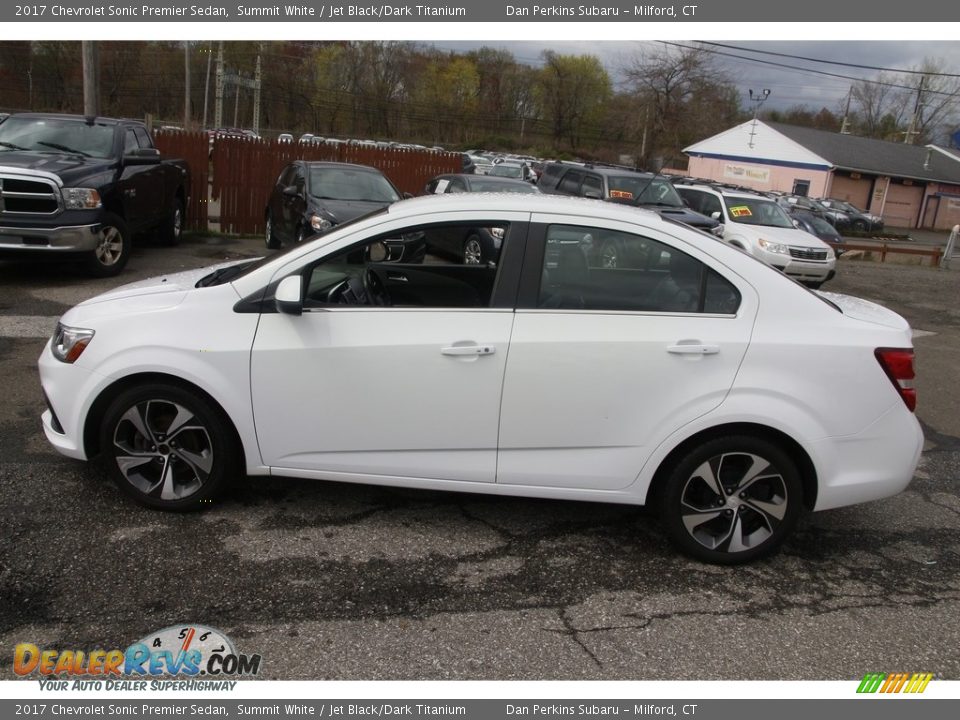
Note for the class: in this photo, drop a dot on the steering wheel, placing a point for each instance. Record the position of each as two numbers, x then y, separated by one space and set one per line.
375 289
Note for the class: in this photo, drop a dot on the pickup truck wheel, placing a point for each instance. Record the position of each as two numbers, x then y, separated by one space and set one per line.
172 229
273 243
110 255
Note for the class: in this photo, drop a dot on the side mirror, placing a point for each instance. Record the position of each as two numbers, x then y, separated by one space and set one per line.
291 191
142 156
407 196
796 224
289 295
593 194
715 214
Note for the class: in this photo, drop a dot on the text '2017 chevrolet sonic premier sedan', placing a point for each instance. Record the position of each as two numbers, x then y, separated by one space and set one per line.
691 377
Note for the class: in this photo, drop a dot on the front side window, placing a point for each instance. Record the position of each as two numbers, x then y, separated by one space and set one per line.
589 268
445 265
570 184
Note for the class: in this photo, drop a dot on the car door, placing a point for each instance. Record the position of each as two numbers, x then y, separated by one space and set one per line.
135 188
605 363
347 391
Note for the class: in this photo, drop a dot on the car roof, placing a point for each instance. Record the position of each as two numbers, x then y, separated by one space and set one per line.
727 193
514 202
335 165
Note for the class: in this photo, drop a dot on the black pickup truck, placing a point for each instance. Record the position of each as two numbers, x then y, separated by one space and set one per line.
83 187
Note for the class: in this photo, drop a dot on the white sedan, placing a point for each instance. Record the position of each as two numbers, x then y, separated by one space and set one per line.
690 377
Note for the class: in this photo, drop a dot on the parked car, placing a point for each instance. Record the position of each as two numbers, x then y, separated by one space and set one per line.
625 187
72 186
860 220
837 218
760 227
285 138
482 165
309 198
816 225
470 243
684 383
510 169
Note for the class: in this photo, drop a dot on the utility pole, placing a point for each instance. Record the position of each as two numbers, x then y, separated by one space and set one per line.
845 126
256 98
218 105
915 119
758 98
206 86
91 78
186 83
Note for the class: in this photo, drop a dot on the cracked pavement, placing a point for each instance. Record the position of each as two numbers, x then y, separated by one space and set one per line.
339 581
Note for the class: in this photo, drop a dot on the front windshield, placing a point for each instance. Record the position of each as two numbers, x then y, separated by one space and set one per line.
756 211
651 192
56 136
511 171
332 183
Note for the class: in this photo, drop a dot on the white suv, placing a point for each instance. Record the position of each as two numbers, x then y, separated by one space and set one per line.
759 226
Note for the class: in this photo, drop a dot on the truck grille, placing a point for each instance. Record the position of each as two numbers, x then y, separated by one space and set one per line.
808 254
28 195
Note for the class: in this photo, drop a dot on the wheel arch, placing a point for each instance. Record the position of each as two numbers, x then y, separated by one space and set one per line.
808 471
98 409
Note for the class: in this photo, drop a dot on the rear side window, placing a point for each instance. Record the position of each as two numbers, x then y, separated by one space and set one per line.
592 187
589 268
570 184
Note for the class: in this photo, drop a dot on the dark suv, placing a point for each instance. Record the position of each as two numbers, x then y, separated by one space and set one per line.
627 187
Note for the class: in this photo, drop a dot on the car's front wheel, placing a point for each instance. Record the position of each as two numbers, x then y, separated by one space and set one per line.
113 247
473 253
167 448
270 237
732 500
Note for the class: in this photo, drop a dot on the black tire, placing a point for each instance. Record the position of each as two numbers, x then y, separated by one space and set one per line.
171 232
270 237
815 285
753 516
860 226
180 471
113 248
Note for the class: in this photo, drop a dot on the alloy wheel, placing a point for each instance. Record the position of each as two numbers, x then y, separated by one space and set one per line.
110 246
472 252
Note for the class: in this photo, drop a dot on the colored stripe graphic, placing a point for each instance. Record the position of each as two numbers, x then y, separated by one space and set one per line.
894 682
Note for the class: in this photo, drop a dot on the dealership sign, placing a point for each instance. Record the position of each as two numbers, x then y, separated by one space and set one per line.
744 172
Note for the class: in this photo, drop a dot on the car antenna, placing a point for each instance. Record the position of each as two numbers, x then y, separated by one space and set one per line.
636 200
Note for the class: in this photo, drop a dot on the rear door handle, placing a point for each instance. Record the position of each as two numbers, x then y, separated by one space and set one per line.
693 349
461 350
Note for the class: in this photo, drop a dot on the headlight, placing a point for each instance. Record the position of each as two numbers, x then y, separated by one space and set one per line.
69 342
320 223
80 198
773 247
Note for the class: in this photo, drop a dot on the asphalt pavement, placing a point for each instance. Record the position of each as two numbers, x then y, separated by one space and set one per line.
337 581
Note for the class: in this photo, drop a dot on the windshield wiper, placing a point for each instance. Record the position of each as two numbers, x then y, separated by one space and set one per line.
58 146
225 274
12 146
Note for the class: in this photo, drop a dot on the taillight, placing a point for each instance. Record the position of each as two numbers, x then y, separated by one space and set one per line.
897 363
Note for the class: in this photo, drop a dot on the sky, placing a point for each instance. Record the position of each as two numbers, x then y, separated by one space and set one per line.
788 87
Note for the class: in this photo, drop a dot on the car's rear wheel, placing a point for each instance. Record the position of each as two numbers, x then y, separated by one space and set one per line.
269 236
167 448
732 500
172 230
113 248
860 225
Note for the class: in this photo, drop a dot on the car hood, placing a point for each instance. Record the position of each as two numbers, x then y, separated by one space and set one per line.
345 210
787 236
866 310
64 165
162 291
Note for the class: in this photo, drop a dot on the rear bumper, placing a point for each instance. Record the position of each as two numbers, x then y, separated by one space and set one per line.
876 463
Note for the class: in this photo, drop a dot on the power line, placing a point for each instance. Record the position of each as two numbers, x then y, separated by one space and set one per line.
828 62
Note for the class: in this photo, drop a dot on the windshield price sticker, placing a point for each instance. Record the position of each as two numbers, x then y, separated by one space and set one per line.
623 194
740 211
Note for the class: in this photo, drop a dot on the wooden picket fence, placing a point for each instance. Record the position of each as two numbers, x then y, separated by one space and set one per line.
233 182
194 147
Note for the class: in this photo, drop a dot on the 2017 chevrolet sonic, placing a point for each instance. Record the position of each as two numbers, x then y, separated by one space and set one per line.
691 376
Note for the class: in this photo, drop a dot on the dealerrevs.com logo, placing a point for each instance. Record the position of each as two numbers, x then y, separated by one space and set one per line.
894 683
188 651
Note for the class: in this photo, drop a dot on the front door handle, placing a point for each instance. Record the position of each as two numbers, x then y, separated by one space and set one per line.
682 348
474 350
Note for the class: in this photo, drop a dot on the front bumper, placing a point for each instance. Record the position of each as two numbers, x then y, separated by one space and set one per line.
60 239
804 270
